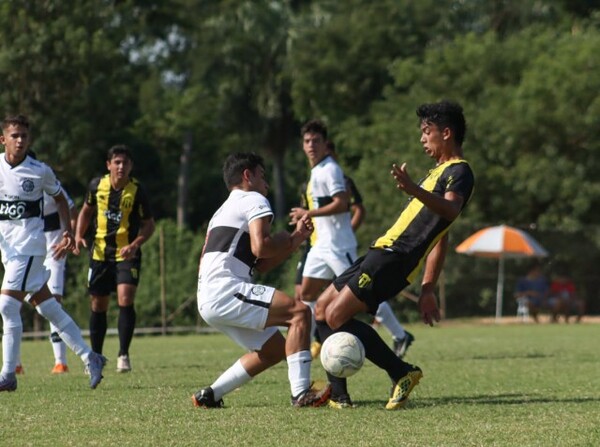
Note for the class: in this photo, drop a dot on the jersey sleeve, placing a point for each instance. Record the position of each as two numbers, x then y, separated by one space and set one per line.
460 180
334 180
50 183
355 196
257 206
144 209
90 196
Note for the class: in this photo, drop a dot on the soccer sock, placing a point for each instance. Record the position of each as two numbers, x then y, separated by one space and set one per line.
299 371
385 315
98 327
58 346
339 386
126 327
66 327
376 349
10 308
231 379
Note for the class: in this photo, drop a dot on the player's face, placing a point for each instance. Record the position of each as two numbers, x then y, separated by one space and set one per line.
432 139
119 167
15 139
258 182
314 147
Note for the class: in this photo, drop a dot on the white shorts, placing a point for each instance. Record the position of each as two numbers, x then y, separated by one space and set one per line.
25 274
56 282
239 311
327 264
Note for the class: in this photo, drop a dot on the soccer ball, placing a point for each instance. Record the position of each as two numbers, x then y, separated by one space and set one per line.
342 354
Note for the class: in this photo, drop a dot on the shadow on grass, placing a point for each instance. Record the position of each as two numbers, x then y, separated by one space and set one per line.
500 399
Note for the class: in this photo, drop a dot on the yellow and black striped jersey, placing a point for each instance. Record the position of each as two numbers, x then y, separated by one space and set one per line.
118 216
418 229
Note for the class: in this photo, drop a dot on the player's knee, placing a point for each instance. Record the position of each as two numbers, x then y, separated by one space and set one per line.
301 314
333 318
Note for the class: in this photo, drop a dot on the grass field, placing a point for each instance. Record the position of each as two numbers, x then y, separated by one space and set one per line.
483 385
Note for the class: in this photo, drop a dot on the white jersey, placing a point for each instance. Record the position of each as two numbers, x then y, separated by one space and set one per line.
333 232
53 230
21 206
228 257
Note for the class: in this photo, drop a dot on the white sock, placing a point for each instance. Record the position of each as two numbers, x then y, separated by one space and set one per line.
313 323
10 308
58 346
299 371
385 315
67 329
231 379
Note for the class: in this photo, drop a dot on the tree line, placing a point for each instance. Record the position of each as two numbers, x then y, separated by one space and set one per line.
185 82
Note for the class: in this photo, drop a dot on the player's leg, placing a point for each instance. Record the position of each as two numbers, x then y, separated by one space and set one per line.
10 309
127 277
401 338
56 284
101 283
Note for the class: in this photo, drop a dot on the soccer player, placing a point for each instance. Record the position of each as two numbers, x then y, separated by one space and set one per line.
238 243
23 181
123 221
419 236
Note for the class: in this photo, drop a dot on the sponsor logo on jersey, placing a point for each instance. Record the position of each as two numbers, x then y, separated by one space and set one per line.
113 216
21 209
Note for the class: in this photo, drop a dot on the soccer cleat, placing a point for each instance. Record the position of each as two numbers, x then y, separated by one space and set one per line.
60 368
8 382
312 397
123 364
340 402
402 388
95 365
401 345
205 398
315 349
19 369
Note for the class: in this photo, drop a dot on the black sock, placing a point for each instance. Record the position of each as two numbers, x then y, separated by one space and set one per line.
376 349
339 386
316 335
97 330
126 327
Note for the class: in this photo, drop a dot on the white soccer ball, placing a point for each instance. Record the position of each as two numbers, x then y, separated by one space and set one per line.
342 354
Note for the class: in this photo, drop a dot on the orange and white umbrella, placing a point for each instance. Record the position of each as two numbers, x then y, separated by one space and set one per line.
501 242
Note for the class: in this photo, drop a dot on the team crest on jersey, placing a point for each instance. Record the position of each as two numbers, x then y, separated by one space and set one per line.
258 290
27 185
364 280
127 203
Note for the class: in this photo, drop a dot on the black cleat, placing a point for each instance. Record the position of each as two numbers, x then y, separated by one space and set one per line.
205 398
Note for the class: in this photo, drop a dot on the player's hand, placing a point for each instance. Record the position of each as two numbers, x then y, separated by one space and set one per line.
79 242
129 251
304 226
66 244
428 308
403 180
296 214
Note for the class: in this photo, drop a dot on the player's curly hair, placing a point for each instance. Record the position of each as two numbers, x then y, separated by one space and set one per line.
445 114
236 163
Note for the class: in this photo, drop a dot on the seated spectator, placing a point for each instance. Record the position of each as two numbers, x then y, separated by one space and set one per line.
533 288
563 298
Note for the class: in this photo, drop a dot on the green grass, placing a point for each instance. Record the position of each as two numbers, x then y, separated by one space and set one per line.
494 385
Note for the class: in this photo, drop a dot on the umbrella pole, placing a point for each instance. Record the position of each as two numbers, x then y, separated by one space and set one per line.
500 289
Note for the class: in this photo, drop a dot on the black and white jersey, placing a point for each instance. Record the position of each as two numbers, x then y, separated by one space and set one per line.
227 252
22 190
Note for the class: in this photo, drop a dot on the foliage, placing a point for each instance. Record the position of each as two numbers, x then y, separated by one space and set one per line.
483 385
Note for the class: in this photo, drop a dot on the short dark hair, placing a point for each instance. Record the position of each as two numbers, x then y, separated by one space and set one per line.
235 164
118 149
15 120
314 126
445 114
330 145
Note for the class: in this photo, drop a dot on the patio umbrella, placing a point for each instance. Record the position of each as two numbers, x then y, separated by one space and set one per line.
501 242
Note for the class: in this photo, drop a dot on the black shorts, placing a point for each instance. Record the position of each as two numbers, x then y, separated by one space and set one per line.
104 276
376 277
